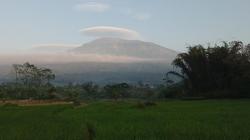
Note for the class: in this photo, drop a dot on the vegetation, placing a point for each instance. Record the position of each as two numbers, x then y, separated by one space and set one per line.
117 90
31 82
30 75
172 120
217 72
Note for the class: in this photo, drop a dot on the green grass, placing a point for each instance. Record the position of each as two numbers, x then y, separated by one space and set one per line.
170 120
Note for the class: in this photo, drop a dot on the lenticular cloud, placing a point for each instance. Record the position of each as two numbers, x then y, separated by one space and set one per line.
110 31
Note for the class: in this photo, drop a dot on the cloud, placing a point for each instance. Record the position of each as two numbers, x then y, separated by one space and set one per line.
92 7
110 31
141 16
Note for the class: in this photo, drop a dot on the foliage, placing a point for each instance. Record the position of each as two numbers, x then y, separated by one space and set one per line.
218 68
117 91
31 82
19 91
30 75
175 90
90 89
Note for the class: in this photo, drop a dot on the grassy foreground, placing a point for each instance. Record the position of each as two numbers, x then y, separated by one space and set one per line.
171 120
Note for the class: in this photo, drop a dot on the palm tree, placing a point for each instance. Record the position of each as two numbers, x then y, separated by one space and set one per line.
193 65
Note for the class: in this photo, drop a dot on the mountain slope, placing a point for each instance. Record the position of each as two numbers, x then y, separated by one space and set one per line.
121 47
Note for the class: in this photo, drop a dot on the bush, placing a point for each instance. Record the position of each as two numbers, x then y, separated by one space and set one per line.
174 91
149 103
76 103
140 105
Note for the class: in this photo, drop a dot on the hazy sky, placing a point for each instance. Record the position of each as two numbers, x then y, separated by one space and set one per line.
171 23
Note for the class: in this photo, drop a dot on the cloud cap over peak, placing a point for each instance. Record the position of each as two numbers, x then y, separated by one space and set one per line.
111 31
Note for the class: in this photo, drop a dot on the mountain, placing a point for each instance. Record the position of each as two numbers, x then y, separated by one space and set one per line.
105 60
157 61
129 48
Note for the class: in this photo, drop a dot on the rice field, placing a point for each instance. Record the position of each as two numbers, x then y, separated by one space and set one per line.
125 120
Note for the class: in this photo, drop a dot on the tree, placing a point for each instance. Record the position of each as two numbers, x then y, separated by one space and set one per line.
117 91
47 75
193 67
30 82
90 88
30 75
215 68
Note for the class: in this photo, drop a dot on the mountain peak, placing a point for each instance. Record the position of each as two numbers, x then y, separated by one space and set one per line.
112 40
108 39
123 47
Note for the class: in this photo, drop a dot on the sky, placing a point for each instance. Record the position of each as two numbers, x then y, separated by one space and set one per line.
174 24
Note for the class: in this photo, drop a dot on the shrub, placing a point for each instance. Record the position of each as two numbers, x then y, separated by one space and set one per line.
149 103
140 105
76 103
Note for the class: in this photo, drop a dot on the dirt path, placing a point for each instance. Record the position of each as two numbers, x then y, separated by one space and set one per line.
34 102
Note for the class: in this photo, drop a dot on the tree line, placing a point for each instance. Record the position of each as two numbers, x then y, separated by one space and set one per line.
33 82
